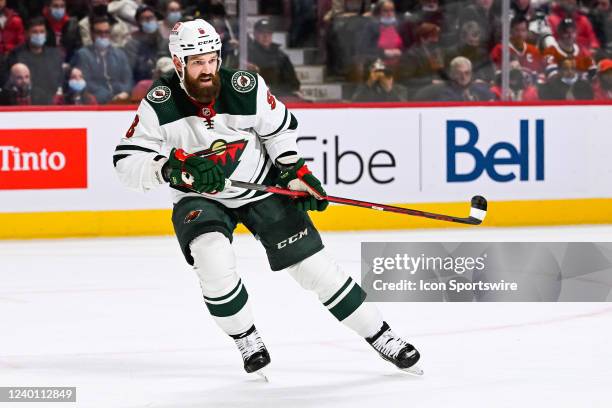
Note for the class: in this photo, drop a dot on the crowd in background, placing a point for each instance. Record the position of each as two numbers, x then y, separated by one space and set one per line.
436 50
62 52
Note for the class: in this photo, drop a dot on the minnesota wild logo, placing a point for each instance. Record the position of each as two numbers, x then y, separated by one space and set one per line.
227 155
243 81
159 94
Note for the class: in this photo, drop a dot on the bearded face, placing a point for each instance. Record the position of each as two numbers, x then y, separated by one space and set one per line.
202 80
203 88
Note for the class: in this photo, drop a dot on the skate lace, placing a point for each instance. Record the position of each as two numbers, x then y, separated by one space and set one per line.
389 344
250 345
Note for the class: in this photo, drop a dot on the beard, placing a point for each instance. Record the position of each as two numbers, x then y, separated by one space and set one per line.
203 92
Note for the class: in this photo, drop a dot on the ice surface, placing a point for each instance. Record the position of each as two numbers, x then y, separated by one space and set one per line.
123 320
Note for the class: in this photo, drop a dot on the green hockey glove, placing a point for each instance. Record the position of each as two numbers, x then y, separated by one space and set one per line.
193 172
298 177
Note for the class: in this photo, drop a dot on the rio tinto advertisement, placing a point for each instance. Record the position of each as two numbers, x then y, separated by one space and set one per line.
43 159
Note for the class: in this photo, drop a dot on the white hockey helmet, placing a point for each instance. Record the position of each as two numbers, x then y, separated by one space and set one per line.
192 38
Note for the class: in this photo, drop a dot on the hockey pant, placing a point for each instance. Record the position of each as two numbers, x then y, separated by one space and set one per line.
228 301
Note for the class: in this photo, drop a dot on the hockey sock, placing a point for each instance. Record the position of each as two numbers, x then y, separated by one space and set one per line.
224 293
338 292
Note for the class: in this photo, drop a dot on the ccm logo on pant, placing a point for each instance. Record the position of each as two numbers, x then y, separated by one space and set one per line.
292 239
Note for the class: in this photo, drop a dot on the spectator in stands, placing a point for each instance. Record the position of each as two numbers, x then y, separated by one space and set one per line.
568 9
567 47
488 19
104 66
602 85
527 55
351 39
428 11
146 45
379 86
27 8
75 90
271 62
125 10
120 30
11 29
390 43
173 13
18 89
472 48
78 8
303 29
44 62
423 64
521 88
11 35
461 87
567 84
63 30
521 8
163 66
601 20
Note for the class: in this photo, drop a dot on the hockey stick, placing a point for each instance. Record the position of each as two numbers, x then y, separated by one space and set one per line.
478 209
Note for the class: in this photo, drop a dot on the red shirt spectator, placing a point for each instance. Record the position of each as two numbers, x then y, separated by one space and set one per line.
526 54
12 33
567 48
554 54
389 40
56 18
585 35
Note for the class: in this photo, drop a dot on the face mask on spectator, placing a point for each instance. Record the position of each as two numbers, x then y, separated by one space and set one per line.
102 43
388 20
58 13
77 85
38 40
149 27
174 16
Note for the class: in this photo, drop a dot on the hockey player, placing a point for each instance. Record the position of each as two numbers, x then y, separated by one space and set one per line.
218 123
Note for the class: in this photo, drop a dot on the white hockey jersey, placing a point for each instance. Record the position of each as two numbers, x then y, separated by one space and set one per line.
244 131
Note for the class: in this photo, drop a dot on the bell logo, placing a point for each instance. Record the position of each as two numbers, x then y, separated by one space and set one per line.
43 159
503 161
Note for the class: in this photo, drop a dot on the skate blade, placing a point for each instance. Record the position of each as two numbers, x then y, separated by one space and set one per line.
414 370
261 374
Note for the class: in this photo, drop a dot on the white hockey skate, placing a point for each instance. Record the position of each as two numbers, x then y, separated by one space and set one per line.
254 352
394 349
